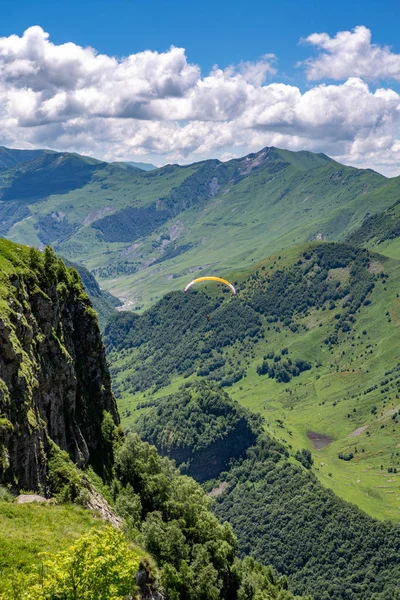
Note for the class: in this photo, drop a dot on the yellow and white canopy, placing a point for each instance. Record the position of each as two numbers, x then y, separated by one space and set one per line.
199 279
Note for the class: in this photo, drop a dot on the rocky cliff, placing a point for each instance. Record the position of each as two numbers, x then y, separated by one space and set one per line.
54 379
200 427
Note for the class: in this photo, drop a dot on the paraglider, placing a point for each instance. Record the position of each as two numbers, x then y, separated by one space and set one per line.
189 285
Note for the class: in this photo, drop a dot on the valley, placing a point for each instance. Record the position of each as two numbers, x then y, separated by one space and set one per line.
143 234
281 401
350 393
319 198
199 300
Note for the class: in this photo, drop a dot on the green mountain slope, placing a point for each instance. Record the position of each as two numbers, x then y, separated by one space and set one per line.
136 165
47 174
381 231
331 307
325 546
27 529
57 417
279 510
200 428
103 302
146 233
10 157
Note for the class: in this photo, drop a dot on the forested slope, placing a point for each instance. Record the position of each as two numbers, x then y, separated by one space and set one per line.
195 332
59 437
279 511
380 231
310 342
200 428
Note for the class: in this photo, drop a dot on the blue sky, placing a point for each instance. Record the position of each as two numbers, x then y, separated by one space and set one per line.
212 32
119 102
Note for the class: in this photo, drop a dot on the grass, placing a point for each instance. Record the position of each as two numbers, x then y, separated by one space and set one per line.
12 258
28 530
239 226
242 226
328 399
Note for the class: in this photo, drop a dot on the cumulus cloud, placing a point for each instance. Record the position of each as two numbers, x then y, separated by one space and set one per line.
351 54
159 105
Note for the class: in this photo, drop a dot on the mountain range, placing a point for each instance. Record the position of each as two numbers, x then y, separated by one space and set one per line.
144 233
86 512
282 401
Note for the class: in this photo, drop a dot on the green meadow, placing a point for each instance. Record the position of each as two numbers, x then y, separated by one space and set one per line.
217 216
350 394
27 531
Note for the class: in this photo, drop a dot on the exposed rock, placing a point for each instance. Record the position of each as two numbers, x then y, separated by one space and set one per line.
29 498
99 504
54 378
146 583
217 491
214 187
358 431
176 229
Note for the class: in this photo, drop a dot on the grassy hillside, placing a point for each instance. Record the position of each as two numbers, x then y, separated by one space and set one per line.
28 530
325 546
381 231
137 165
281 201
55 393
329 307
280 512
145 233
10 157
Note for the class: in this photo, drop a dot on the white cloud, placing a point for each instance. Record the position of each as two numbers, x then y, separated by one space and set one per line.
158 105
255 72
351 54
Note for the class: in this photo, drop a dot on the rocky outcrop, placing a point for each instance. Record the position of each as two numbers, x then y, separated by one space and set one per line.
147 583
98 504
199 427
54 379
208 462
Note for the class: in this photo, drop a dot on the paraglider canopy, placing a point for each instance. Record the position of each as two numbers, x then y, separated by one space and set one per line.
189 285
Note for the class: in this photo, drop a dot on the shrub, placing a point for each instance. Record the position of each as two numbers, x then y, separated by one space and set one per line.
99 565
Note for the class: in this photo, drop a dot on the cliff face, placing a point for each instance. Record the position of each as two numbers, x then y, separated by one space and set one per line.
54 379
104 303
209 462
200 427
